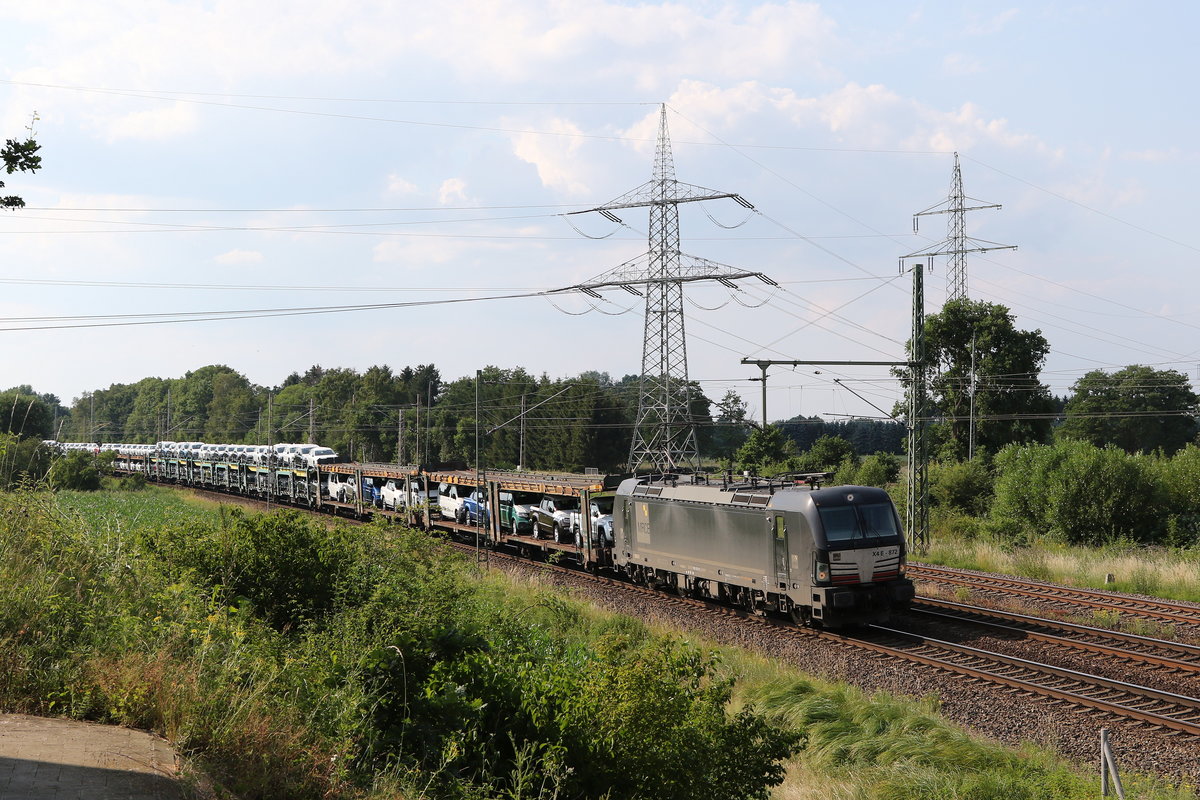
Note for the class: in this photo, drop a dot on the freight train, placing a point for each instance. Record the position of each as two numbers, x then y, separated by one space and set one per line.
822 555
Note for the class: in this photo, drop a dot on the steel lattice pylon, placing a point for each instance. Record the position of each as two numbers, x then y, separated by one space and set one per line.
664 436
957 244
956 275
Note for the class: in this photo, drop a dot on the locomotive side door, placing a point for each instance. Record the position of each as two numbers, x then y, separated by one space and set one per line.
779 528
626 529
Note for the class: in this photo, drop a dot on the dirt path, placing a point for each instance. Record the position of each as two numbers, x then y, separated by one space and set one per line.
43 758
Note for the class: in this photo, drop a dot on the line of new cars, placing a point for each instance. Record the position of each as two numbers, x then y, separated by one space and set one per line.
302 456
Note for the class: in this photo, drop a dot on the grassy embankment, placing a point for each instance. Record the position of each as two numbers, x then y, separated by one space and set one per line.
297 661
1158 571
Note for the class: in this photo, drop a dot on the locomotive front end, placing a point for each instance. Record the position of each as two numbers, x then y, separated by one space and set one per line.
858 557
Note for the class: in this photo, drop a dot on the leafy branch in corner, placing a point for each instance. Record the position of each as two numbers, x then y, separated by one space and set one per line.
20 156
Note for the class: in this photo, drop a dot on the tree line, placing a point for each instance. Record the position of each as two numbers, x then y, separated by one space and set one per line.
412 415
985 388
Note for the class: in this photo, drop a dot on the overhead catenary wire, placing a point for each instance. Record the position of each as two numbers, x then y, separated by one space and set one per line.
227 317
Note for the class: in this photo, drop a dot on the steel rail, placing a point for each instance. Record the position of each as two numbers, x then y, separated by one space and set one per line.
1188 705
1189 725
1091 598
959 612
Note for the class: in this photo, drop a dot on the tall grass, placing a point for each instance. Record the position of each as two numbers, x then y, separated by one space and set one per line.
858 746
1162 572
880 747
296 661
87 630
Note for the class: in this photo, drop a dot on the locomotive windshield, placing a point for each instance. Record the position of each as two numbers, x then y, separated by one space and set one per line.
863 521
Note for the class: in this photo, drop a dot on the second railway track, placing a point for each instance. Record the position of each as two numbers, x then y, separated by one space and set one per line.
1068 598
1121 700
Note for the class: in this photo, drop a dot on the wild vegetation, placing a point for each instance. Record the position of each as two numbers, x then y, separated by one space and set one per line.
1073 513
298 660
398 670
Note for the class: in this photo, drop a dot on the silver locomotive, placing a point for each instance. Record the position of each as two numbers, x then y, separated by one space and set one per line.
829 556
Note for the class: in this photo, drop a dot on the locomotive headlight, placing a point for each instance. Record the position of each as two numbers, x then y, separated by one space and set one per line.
821 572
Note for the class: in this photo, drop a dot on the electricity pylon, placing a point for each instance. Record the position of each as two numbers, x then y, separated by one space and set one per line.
664 436
957 244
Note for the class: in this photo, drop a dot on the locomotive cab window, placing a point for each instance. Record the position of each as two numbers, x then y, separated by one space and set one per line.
780 528
858 522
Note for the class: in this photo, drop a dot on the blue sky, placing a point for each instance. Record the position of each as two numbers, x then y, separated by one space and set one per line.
343 153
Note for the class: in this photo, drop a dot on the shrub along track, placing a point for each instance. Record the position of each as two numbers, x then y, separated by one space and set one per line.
1009 699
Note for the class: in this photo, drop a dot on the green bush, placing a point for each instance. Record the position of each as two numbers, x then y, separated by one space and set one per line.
1180 477
1079 493
79 470
878 469
286 564
827 453
22 461
1021 498
610 718
963 486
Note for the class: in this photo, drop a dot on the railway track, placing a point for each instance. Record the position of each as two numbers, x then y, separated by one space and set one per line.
1129 702
1066 597
1126 647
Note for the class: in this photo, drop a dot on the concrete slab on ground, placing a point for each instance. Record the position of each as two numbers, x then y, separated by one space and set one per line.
59 759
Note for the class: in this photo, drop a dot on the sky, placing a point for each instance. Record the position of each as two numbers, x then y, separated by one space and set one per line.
255 156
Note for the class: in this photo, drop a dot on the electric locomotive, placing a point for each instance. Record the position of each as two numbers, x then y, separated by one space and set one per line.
826 556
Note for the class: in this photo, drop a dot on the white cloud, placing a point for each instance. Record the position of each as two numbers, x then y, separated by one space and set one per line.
549 40
415 254
240 257
398 185
452 190
876 116
959 64
157 50
418 253
1169 155
555 157
993 24
167 122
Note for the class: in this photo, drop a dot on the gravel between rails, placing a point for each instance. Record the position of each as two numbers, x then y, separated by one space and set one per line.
1072 733
964 632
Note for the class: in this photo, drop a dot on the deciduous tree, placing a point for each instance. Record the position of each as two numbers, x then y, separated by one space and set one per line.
1011 403
1138 409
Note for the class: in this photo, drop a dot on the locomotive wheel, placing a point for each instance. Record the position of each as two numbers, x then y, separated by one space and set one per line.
800 615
